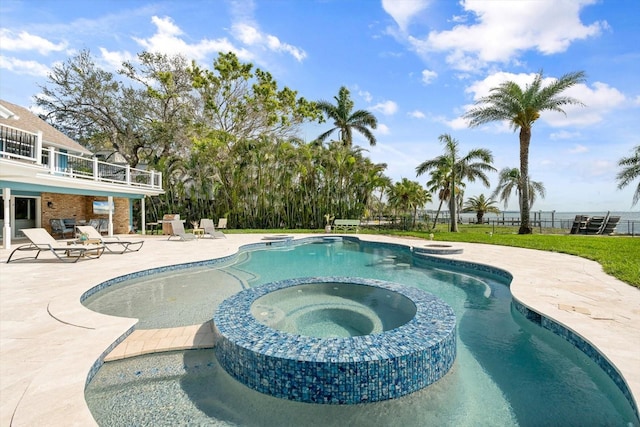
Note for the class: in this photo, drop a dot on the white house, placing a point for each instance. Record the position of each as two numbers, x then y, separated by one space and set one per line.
45 175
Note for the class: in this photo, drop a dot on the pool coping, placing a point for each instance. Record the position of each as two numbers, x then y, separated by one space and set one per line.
41 315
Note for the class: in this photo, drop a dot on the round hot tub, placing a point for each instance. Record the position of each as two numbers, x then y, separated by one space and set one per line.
333 309
335 339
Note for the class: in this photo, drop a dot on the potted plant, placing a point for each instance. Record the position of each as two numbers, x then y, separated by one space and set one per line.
328 218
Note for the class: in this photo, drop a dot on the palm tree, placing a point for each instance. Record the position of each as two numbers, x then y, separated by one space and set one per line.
408 196
345 121
510 181
480 205
630 172
521 108
439 183
470 167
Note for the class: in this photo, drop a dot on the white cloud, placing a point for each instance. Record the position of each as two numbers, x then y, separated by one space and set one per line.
167 40
252 36
428 76
637 100
417 114
502 30
578 148
563 134
365 95
457 123
115 59
403 10
18 66
383 129
248 32
387 108
26 42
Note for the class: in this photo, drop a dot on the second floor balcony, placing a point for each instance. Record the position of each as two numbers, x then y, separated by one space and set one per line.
19 146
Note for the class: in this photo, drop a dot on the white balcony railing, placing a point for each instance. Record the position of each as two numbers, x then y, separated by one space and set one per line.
22 146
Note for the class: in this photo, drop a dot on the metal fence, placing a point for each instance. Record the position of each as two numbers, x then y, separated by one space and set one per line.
543 223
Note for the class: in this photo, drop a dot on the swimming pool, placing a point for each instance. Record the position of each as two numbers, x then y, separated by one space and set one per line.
509 371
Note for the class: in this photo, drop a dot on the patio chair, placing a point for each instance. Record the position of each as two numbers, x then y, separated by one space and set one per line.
177 230
114 244
100 224
222 223
210 230
65 251
58 226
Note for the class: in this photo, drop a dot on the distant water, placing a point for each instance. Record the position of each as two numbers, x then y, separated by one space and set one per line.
629 220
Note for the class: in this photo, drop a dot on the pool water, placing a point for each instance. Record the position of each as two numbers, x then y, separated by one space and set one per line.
333 310
508 370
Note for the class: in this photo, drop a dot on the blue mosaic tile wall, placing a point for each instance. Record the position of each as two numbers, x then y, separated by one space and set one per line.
347 370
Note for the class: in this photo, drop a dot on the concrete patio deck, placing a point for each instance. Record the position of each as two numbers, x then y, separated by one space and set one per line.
49 341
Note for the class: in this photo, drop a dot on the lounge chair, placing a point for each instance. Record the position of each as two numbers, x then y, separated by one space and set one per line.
177 230
210 230
114 244
64 250
579 224
595 224
222 223
610 225
59 226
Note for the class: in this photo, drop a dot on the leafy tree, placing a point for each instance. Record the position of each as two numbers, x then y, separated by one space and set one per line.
509 181
248 104
521 108
480 205
136 120
224 139
457 168
630 171
345 120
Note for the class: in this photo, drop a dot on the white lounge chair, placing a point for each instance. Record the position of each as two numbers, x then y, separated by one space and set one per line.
64 250
210 229
222 223
121 246
177 230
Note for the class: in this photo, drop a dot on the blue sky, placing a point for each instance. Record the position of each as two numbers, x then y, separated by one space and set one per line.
417 65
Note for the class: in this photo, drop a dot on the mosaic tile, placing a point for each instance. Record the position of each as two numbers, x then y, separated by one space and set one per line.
345 370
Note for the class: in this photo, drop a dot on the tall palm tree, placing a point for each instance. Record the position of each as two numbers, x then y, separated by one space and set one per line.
630 171
521 108
345 120
509 181
480 205
471 166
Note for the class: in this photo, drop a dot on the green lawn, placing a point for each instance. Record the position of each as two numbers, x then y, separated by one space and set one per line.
618 255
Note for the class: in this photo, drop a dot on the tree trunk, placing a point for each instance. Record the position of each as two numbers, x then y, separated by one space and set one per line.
525 139
452 206
437 213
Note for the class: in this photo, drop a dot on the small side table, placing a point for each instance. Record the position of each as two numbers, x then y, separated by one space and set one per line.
199 232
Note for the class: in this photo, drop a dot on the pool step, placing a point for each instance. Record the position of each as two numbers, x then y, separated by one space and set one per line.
145 341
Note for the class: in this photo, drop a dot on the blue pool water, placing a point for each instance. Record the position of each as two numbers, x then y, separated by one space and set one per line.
508 370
